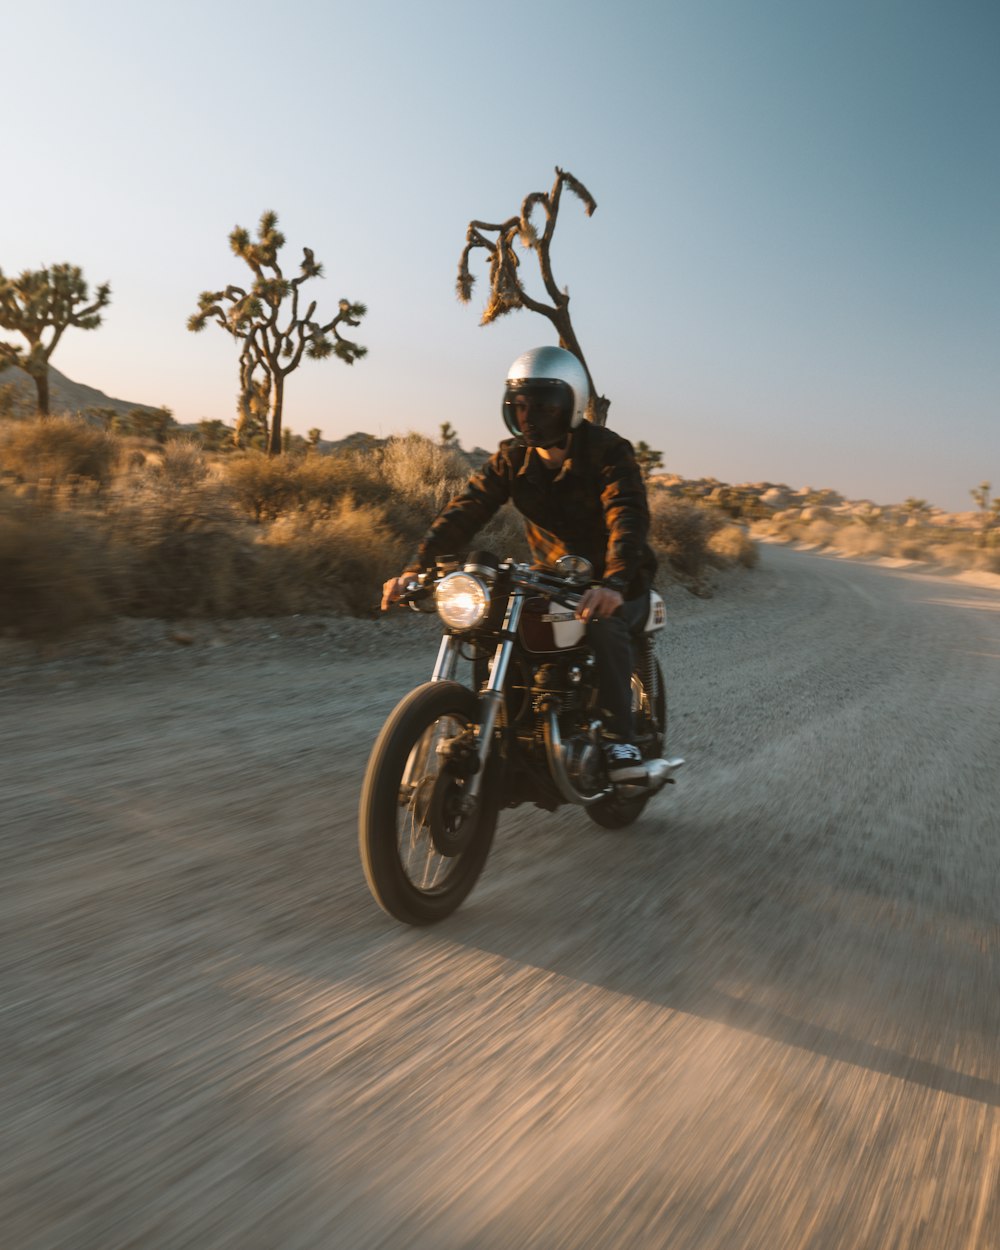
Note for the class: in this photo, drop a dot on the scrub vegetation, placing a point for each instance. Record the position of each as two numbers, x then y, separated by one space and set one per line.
96 524
908 532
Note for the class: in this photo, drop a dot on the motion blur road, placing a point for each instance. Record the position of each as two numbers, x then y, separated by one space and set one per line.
767 1017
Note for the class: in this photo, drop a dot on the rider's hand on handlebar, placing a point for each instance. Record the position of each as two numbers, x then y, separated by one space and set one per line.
598 602
394 589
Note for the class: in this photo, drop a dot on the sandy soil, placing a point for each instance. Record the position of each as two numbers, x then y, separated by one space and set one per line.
765 1017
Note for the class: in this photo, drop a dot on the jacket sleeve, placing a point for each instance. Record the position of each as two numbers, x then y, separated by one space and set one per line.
467 513
626 514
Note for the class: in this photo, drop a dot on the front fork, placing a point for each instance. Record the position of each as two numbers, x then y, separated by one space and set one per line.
491 698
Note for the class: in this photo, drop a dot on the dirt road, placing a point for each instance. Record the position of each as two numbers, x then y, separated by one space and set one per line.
767 1017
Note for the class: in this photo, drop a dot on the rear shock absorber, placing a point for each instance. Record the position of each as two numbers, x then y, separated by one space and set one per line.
648 670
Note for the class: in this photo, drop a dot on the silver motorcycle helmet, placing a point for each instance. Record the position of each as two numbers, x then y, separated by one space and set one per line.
545 396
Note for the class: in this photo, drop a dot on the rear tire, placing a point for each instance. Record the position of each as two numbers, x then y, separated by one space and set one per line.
614 813
650 721
406 872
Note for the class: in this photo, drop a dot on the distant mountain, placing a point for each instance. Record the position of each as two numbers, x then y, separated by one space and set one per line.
360 441
65 395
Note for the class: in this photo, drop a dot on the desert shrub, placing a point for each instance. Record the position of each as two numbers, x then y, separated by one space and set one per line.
821 532
857 539
269 487
680 531
948 554
408 480
261 486
984 560
53 569
180 465
732 545
179 554
423 473
192 569
57 449
790 526
335 558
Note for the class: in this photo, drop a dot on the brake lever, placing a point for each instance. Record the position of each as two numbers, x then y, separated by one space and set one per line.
417 596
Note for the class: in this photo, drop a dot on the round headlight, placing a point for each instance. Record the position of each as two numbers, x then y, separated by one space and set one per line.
462 601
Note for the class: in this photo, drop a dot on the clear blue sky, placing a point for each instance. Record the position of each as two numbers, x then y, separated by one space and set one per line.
793 273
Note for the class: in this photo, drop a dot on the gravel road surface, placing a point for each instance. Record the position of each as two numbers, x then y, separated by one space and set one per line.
766 1017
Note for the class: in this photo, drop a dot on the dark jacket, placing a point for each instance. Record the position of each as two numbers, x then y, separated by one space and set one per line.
594 506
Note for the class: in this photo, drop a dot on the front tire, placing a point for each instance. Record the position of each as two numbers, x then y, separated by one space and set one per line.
410 808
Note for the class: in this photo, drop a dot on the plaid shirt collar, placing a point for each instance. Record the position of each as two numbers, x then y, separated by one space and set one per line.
533 469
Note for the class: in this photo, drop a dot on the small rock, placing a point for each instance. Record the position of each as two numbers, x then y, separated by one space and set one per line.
181 638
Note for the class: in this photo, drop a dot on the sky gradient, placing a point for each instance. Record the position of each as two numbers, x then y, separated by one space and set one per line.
793 273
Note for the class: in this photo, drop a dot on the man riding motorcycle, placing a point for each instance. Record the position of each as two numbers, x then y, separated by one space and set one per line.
581 492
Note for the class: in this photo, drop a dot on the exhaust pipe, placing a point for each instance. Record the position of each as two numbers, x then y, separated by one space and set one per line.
557 765
658 774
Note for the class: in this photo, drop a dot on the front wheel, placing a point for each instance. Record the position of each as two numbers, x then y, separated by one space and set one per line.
422 846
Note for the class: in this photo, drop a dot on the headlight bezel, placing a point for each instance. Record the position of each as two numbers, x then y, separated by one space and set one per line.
458 616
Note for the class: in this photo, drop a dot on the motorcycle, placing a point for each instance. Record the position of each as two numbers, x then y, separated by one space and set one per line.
451 756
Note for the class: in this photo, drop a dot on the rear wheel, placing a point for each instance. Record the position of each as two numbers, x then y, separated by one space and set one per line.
422 845
649 709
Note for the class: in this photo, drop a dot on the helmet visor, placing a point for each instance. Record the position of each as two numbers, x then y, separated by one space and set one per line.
538 411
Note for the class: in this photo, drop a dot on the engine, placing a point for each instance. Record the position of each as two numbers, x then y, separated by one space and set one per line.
570 684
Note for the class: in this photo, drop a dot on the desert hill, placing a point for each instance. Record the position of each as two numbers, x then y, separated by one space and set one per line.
65 395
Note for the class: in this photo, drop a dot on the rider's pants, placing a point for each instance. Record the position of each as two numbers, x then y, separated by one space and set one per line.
611 639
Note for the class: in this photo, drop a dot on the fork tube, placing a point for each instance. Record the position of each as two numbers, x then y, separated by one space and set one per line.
444 667
444 670
491 699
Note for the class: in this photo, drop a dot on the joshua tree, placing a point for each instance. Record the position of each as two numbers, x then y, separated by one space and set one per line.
42 300
647 458
271 351
141 423
981 495
214 434
448 436
917 510
506 288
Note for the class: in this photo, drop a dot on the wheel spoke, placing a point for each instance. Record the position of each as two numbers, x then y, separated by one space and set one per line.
421 846
425 868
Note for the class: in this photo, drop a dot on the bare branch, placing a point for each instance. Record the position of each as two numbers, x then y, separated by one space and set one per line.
506 285
579 190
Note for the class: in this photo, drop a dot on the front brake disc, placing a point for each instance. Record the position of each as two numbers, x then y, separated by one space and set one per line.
451 827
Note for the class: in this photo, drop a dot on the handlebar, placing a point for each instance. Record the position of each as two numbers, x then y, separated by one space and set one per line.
517 576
